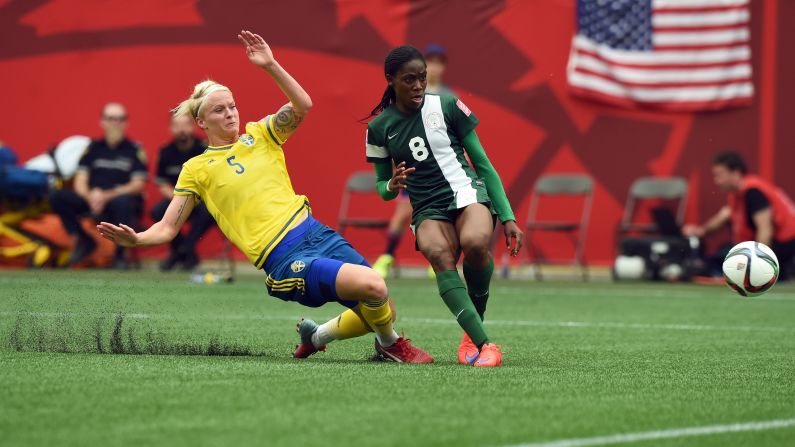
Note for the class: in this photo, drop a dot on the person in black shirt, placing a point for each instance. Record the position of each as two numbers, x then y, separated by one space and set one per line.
108 185
183 147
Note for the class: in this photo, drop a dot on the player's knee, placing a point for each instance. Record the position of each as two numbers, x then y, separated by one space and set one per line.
440 258
476 248
374 287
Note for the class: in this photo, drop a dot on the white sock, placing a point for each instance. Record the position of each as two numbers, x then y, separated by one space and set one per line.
323 334
387 340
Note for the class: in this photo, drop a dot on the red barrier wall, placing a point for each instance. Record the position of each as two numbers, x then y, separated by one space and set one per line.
61 60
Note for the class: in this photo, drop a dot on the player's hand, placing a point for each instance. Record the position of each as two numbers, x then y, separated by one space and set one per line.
121 235
693 230
512 231
97 200
258 52
398 180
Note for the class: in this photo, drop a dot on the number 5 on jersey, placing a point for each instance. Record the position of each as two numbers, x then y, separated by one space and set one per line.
418 149
240 169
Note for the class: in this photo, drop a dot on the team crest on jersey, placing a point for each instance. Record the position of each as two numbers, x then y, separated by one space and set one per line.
297 266
433 120
247 139
463 107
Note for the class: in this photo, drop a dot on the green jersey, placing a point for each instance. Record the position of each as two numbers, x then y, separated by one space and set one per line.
429 140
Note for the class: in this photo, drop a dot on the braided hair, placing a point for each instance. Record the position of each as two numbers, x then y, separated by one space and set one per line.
394 61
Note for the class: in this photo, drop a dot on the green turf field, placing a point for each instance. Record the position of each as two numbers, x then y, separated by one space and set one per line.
581 361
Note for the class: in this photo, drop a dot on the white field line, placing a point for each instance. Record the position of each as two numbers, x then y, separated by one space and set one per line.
623 438
532 291
440 321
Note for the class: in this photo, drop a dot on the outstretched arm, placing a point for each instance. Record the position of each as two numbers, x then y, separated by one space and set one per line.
289 116
495 189
714 223
161 232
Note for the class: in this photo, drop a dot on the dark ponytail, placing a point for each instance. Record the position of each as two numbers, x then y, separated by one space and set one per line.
394 61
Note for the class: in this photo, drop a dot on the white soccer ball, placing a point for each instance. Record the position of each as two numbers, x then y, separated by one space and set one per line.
750 268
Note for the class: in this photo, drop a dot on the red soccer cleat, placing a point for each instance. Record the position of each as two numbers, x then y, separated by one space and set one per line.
403 352
490 355
467 351
306 328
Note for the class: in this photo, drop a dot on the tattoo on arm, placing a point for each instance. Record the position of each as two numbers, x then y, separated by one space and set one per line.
286 120
181 210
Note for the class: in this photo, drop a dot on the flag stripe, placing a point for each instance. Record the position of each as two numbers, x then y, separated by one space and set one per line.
676 20
741 70
664 84
695 64
679 94
718 55
729 36
691 106
694 4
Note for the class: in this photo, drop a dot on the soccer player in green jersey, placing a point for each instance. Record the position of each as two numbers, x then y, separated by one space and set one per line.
428 137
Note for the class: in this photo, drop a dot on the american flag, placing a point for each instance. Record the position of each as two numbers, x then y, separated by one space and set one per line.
673 55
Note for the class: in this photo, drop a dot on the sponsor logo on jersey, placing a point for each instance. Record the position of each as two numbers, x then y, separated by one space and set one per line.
212 160
433 120
389 137
463 107
247 139
297 266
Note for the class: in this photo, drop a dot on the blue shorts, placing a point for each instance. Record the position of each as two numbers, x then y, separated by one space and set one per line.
303 267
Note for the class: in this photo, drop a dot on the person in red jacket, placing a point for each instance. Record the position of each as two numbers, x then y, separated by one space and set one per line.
756 210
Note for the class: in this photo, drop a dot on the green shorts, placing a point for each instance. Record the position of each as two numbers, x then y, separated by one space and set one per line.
444 214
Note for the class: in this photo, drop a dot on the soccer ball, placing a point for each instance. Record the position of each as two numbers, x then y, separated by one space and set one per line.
750 268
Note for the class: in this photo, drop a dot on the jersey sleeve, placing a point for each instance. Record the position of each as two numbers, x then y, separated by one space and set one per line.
186 183
461 118
755 201
266 127
84 165
376 150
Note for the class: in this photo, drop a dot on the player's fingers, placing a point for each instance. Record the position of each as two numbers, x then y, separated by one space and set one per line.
106 226
127 229
519 242
516 244
247 36
409 170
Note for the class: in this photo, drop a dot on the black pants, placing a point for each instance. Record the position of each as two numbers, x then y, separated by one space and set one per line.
200 221
70 208
785 252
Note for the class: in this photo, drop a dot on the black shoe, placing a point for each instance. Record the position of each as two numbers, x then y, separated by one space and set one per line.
84 247
169 263
189 261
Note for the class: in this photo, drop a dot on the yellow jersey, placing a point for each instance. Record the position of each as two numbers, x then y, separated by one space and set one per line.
246 188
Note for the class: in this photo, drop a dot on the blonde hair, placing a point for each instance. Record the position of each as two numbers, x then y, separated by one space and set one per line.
193 105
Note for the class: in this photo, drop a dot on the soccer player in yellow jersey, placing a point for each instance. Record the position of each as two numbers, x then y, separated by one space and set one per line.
243 181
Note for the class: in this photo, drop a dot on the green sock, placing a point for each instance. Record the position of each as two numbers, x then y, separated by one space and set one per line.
454 294
478 281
